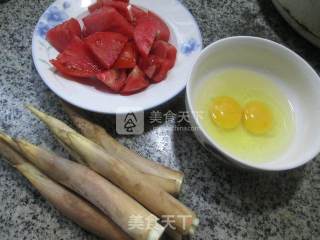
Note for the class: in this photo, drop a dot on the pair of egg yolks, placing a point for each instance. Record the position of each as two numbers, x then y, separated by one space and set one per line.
227 113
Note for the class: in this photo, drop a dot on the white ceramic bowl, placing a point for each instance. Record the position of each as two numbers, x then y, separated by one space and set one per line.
185 35
293 75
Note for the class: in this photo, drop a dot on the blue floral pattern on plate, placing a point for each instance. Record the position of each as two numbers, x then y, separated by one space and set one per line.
51 18
190 46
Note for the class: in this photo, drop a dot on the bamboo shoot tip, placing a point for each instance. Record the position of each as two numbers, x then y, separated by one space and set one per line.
30 107
196 222
35 111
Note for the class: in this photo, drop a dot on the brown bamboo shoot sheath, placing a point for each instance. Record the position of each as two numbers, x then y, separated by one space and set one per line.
129 180
108 198
133 182
98 135
67 203
60 129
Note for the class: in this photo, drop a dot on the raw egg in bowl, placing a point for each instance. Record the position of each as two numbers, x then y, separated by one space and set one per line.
255 103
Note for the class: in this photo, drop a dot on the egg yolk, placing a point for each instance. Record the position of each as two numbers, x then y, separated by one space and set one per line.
257 118
226 112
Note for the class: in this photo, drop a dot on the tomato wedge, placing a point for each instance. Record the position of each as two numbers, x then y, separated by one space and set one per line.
145 35
127 58
114 79
61 35
155 67
165 50
76 61
135 14
107 19
130 11
163 32
162 72
150 65
120 6
106 46
136 82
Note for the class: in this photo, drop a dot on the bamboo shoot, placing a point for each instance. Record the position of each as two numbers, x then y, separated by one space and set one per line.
67 203
108 198
127 178
60 129
99 135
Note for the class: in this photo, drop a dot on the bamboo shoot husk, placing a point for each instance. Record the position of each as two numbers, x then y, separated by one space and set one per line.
67 203
127 178
56 126
99 135
108 198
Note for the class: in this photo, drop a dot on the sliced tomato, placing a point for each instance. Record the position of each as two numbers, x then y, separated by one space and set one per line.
101 3
162 72
107 19
155 67
95 6
114 79
106 46
120 6
150 65
144 35
131 12
77 61
163 32
165 50
127 58
61 35
135 13
136 82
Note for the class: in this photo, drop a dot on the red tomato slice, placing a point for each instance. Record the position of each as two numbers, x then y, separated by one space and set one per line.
163 32
95 6
76 60
155 67
114 79
165 50
107 19
136 82
145 34
150 65
162 73
135 14
106 46
131 12
61 35
120 6
127 58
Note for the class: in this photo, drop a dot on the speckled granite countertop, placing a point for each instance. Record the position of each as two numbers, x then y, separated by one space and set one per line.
231 204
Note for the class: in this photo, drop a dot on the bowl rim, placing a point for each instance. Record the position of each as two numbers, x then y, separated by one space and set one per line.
234 159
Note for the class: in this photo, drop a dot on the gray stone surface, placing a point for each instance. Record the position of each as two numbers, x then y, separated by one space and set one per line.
231 204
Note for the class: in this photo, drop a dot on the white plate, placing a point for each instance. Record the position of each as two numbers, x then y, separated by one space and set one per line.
297 24
185 35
